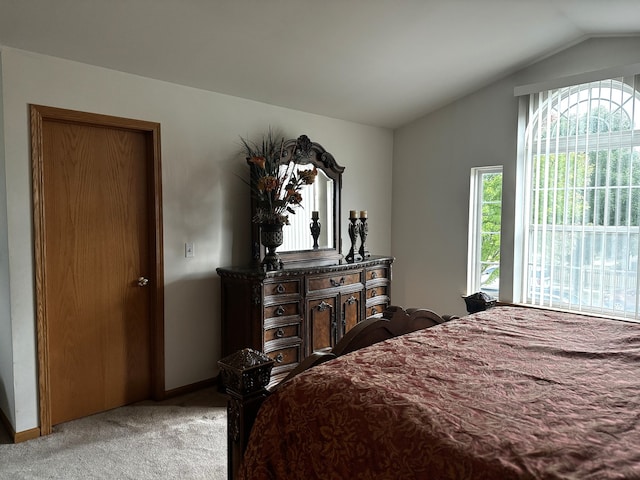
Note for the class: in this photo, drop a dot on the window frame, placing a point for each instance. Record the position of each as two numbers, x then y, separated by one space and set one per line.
613 141
475 265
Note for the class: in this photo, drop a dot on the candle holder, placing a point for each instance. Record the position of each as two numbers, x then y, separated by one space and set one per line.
315 227
363 231
354 230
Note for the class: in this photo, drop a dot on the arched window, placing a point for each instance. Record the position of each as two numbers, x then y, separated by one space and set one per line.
582 149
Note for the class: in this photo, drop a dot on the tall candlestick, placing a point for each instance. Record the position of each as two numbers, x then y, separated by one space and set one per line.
363 231
354 229
353 214
315 229
363 214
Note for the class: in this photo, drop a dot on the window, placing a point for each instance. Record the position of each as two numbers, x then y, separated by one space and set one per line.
582 163
485 215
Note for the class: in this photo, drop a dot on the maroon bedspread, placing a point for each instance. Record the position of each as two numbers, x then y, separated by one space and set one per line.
510 393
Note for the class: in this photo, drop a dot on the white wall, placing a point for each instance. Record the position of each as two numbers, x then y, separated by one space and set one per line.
432 161
6 348
203 200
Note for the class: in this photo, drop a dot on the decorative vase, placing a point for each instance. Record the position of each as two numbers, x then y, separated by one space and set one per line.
271 238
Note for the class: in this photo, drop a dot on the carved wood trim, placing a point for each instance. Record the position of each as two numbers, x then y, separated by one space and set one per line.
258 273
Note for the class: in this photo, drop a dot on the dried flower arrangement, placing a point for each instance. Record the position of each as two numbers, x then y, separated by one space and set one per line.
276 178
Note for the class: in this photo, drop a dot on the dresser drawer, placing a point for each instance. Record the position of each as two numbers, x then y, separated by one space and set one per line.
381 290
322 282
377 273
289 287
376 310
282 332
282 310
285 356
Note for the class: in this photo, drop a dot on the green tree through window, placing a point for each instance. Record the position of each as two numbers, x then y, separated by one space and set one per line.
491 224
485 216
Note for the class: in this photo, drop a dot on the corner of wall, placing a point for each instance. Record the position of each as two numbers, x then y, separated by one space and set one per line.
7 397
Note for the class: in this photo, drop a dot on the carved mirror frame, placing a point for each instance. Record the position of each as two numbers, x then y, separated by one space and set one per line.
307 153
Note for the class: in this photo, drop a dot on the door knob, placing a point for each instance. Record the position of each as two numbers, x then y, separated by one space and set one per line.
143 282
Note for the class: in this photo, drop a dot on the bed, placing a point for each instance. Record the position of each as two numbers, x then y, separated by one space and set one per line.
508 393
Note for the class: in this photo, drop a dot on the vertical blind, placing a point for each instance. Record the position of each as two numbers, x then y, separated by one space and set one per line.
582 152
297 236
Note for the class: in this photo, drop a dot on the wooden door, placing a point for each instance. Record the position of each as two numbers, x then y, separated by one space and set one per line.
351 310
322 323
97 254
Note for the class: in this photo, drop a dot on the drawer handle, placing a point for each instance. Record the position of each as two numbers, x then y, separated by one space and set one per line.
373 293
351 300
374 275
279 358
339 283
322 306
279 333
280 310
280 288
374 310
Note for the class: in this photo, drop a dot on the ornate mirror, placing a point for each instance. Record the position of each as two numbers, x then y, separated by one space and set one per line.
320 201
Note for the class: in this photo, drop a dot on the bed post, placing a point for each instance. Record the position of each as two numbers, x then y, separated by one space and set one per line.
245 375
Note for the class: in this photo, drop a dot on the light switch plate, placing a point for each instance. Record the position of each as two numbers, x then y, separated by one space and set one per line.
189 250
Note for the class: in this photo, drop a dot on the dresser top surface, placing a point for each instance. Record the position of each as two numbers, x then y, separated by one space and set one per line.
310 268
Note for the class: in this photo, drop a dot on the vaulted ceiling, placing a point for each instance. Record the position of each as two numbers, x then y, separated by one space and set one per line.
377 62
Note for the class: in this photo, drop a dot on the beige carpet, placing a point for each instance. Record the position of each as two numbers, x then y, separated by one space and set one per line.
181 438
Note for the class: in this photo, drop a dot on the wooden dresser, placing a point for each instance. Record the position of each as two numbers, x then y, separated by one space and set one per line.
293 312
